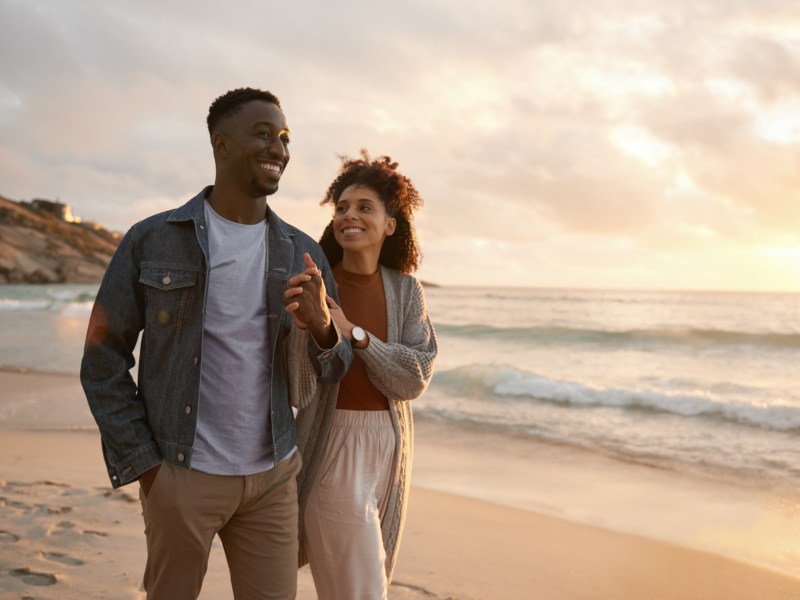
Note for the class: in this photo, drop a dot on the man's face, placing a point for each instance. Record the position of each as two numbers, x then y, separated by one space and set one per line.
256 148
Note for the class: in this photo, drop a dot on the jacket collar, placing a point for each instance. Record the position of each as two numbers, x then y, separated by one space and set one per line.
194 210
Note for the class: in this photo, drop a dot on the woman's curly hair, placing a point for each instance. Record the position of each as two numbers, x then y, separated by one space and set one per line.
400 251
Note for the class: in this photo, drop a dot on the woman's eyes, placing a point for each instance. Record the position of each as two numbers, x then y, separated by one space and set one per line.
341 208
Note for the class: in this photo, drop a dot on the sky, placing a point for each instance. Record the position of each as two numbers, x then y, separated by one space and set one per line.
556 143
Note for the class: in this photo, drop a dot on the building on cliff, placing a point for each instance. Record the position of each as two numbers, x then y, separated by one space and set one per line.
56 208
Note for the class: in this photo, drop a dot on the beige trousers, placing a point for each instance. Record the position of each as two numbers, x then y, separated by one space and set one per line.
255 516
343 514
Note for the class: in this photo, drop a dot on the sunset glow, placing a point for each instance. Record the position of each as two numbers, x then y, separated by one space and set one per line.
611 146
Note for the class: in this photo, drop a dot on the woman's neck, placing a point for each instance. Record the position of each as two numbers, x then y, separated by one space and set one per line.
360 263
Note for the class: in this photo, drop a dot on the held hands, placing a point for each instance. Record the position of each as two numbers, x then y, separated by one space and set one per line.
305 299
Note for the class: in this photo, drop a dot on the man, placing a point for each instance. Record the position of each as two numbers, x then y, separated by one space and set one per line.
207 429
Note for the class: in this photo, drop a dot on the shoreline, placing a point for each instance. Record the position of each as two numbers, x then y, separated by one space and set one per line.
564 520
699 510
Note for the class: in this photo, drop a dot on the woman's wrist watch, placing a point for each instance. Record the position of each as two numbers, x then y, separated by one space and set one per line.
359 337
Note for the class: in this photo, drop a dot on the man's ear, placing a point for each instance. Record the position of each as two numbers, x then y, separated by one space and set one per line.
219 142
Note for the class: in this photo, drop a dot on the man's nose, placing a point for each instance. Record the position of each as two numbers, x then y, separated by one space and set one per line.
277 148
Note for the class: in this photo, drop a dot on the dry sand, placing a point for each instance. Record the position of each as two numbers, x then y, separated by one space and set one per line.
64 534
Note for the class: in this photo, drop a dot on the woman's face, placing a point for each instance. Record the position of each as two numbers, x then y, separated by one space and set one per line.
360 221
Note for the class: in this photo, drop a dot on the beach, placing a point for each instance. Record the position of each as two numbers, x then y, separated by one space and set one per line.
491 517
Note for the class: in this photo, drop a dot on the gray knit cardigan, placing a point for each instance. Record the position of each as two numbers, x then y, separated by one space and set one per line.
400 368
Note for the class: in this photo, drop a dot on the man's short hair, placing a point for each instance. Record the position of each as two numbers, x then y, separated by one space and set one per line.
231 102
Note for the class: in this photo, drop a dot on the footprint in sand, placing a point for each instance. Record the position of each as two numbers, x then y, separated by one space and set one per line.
120 495
7 536
417 591
34 578
69 527
27 508
60 484
56 510
15 504
94 532
28 484
62 558
61 528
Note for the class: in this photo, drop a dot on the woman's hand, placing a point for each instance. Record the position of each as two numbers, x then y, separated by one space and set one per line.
338 316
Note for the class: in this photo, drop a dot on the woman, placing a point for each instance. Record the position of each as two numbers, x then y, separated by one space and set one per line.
357 440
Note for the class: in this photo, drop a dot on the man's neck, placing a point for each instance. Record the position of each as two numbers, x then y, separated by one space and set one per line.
237 207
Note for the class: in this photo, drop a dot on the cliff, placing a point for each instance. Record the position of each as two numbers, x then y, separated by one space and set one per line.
40 242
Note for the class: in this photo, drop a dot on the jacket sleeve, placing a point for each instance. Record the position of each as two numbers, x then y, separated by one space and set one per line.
129 447
403 370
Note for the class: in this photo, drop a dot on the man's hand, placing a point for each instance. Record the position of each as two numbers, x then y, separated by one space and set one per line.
147 478
305 299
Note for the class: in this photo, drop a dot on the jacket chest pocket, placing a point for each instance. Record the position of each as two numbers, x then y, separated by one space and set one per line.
168 293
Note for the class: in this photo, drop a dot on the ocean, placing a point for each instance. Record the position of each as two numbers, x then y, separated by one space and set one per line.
697 380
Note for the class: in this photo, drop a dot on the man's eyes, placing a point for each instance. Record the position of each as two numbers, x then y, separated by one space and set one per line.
266 135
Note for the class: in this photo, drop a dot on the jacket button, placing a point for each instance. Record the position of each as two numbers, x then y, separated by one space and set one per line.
188 410
195 360
181 457
167 280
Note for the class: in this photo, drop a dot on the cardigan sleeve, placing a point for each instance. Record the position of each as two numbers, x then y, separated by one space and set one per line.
402 370
302 379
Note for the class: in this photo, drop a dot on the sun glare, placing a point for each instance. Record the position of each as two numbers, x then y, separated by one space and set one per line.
788 256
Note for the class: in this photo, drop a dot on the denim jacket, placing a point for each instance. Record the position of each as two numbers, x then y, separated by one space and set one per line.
156 284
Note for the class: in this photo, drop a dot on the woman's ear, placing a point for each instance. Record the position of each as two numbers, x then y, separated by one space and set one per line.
391 225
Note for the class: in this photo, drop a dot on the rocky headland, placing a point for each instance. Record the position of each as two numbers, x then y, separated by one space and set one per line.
41 242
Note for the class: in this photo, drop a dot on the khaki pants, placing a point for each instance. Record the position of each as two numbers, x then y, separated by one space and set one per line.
343 514
255 516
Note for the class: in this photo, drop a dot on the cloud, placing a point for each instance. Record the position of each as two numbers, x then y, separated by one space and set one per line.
555 143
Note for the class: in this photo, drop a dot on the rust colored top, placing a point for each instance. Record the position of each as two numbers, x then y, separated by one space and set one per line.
363 300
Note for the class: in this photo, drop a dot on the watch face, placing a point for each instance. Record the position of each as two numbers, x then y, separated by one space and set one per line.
358 334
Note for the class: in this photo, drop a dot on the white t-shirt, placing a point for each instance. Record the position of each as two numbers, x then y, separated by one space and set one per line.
233 424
